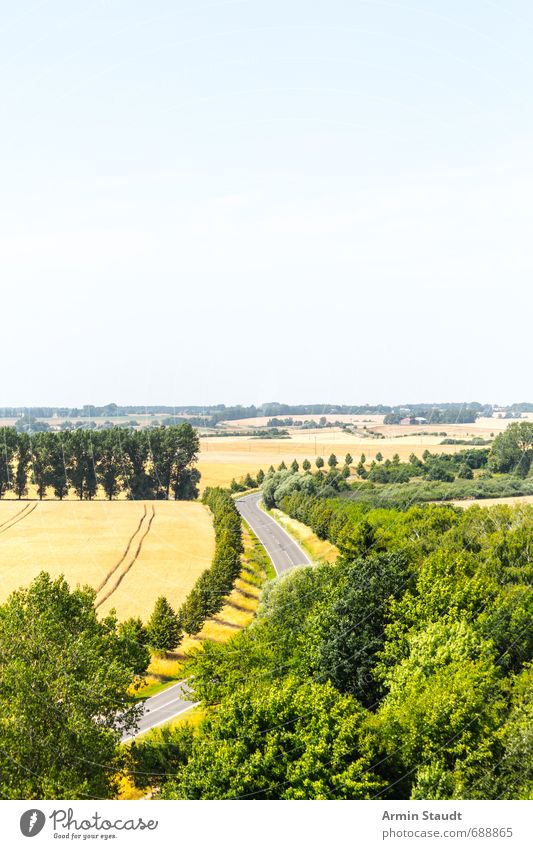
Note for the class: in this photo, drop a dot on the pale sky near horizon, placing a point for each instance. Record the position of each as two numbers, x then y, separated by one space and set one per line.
237 202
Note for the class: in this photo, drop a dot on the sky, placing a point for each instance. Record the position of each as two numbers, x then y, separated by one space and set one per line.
240 202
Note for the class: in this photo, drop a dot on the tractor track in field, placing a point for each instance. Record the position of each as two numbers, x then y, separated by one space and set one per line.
14 516
18 517
134 558
125 553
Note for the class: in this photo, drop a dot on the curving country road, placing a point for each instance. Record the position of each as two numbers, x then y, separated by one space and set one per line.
284 553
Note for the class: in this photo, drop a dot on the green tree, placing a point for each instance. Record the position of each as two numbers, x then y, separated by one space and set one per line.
295 466
282 466
316 749
355 632
306 465
135 449
40 462
444 707
332 461
512 450
260 477
78 462
379 456
438 470
319 462
110 463
58 463
8 443
162 751
185 478
64 693
133 630
164 631
348 460
186 487
20 485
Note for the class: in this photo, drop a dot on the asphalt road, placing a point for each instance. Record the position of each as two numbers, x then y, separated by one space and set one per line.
165 705
284 553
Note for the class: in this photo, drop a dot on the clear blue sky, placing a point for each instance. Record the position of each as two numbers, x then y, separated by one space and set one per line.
206 202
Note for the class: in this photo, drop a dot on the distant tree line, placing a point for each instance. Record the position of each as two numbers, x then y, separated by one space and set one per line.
445 414
215 413
154 463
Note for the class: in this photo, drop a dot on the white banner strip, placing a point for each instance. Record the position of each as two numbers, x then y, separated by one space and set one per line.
277 825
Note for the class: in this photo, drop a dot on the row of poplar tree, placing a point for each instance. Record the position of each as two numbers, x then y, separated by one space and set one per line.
152 463
166 627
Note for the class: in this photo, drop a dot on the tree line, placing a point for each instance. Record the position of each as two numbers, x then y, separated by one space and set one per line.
154 463
166 628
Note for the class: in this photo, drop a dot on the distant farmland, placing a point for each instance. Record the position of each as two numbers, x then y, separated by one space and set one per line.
130 551
224 458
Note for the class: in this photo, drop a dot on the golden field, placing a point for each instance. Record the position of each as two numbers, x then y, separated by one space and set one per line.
130 551
223 458
511 500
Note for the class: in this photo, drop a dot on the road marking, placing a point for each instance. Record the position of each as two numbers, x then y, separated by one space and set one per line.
171 702
159 722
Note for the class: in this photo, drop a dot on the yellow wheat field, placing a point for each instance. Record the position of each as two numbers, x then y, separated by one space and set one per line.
223 458
130 551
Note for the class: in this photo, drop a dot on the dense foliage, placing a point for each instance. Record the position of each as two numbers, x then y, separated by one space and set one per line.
465 474
402 671
152 463
64 693
512 450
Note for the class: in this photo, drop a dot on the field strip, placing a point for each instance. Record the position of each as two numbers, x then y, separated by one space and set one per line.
124 555
18 518
134 558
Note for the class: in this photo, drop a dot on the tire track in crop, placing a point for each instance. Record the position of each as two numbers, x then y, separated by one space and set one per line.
22 514
132 561
125 553
14 516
